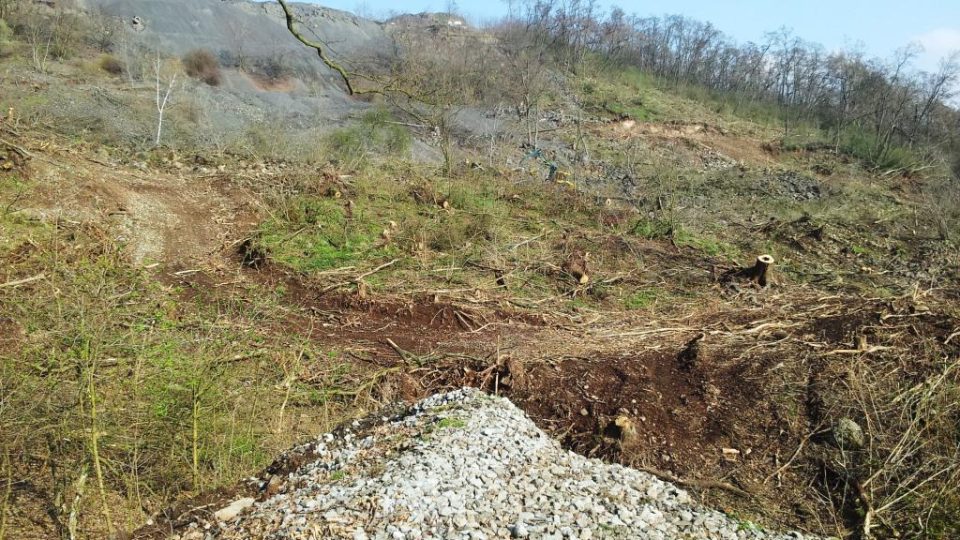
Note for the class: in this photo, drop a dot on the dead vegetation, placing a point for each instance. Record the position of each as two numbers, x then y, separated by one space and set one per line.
652 360
202 65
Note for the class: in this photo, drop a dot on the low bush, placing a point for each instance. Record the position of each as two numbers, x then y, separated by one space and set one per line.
274 68
375 136
202 65
6 34
110 64
867 148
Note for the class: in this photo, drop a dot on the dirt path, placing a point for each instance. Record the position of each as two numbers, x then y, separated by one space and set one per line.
175 219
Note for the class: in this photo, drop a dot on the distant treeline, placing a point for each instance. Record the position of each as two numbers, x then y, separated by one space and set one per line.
876 107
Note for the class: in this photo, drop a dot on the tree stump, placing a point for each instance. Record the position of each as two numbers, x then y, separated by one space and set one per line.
760 273
576 266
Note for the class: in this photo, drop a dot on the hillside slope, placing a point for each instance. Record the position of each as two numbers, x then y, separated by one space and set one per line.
173 316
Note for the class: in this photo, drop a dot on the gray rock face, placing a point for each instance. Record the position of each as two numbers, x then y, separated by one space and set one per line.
269 78
255 29
467 465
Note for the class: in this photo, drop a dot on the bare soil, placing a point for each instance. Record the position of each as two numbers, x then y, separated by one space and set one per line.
721 399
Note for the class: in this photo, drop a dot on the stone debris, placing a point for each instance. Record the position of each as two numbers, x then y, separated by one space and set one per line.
233 510
465 465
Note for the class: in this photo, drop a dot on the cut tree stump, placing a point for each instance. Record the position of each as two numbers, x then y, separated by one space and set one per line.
576 266
760 273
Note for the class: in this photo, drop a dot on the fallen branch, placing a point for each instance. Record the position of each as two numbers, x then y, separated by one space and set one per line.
868 350
701 484
902 316
409 357
766 326
868 511
645 332
790 461
360 277
18 149
525 242
22 281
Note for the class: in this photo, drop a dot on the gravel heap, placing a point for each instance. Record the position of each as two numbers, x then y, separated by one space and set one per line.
461 465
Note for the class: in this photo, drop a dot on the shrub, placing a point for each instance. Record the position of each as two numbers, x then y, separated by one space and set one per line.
202 65
5 32
273 68
867 148
375 136
110 64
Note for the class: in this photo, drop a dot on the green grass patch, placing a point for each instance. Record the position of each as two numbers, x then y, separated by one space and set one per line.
652 229
642 299
451 423
860 250
318 235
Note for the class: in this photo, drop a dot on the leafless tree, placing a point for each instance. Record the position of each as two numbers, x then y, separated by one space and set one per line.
166 80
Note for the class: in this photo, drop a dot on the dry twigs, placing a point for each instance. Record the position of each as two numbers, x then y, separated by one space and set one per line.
358 278
692 483
25 281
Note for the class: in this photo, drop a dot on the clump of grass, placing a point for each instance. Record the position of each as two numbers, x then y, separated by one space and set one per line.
642 299
451 423
652 229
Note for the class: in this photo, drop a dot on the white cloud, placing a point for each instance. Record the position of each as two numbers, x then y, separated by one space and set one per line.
937 44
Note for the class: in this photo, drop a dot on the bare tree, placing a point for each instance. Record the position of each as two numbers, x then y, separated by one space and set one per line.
40 39
431 80
162 95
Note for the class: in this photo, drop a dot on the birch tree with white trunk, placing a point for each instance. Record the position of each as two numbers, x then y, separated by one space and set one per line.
162 96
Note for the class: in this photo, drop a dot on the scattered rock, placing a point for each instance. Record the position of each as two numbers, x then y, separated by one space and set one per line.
228 513
848 434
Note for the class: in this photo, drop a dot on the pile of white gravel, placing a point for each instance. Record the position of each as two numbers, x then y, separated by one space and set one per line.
462 465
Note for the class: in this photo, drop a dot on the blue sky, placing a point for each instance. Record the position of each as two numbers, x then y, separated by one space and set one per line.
879 27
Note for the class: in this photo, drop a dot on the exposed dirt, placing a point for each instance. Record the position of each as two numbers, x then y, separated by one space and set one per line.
704 137
267 84
178 219
724 396
11 335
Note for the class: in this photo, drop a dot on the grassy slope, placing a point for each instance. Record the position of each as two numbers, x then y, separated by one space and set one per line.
158 377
